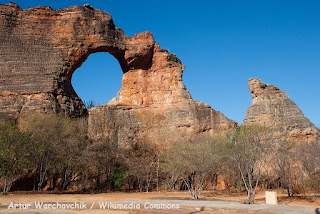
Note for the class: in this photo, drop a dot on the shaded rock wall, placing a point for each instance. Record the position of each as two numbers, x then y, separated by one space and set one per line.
161 125
40 48
271 106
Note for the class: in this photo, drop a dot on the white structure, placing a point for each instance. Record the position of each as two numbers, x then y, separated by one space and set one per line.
271 197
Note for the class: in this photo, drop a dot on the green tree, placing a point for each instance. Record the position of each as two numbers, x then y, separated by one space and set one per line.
100 158
118 176
15 154
58 141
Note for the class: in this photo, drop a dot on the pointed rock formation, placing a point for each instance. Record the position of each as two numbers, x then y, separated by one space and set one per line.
40 48
273 107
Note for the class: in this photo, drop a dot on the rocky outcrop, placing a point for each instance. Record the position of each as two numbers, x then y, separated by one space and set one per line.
273 107
160 125
40 48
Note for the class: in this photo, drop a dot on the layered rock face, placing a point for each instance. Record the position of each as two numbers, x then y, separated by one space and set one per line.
273 107
40 48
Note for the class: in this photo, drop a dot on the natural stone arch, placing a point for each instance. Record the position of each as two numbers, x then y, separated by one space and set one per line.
65 38
49 45
96 32
98 80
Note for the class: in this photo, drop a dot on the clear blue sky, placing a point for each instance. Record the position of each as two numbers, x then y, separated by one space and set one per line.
222 43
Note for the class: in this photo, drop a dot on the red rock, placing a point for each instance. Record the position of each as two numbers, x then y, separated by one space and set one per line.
40 49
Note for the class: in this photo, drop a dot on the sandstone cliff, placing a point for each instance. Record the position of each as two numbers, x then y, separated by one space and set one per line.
40 48
271 106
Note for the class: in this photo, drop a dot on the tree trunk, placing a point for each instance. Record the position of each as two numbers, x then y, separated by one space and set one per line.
288 191
158 166
7 186
249 196
42 176
214 181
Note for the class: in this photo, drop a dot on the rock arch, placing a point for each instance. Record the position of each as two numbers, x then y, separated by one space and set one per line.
98 79
55 43
41 47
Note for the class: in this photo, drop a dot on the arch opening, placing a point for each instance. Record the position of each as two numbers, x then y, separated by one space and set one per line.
98 79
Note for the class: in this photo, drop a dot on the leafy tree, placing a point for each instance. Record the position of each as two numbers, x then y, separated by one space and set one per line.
15 154
100 161
57 141
251 147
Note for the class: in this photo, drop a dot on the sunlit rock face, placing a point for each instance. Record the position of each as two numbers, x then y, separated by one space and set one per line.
273 107
40 48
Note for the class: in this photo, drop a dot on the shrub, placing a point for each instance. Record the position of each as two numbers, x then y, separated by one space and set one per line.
15 153
118 176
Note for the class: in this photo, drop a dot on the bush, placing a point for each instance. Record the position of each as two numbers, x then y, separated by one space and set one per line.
193 162
58 142
251 147
15 153
118 176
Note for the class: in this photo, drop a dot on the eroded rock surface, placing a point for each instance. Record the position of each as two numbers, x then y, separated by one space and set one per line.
40 48
273 107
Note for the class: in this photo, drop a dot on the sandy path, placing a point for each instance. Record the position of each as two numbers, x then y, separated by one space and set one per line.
210 201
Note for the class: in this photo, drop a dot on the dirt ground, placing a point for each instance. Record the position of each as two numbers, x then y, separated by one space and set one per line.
25 198
260 198
119 196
